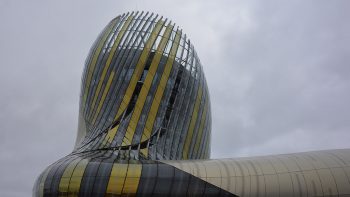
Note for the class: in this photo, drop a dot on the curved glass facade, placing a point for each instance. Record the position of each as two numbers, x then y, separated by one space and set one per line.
145 126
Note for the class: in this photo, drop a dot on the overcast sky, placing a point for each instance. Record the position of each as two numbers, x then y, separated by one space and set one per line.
278 75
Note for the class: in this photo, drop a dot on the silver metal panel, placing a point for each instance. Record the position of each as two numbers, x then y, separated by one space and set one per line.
299 174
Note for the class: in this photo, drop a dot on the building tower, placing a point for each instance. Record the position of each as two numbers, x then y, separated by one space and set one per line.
145 125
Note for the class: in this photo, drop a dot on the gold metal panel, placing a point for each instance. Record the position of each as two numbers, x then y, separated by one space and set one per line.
148 81
139 67
92 65
132 179
144 152
42 181
201 128
207 148
107 65
192 123
104 94
110 135
77 175
64 182
136 75
160 88
116 179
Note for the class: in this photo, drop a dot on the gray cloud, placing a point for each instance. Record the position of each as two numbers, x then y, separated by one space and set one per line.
278 74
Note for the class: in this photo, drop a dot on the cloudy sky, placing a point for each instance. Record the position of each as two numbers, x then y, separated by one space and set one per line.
278 75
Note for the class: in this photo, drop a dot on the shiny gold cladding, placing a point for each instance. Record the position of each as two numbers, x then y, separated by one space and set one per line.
142 73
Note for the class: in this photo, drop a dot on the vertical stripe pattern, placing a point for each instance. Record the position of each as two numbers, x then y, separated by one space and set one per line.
145 120
142 73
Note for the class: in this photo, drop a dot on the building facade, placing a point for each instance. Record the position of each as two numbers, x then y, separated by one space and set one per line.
145 126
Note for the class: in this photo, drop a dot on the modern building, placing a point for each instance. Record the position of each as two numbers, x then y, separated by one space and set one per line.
145 126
